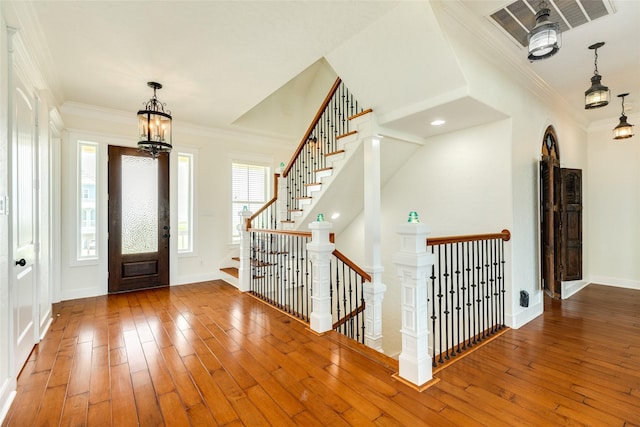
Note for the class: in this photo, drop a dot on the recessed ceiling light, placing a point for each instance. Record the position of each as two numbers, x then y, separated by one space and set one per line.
438 122
335 215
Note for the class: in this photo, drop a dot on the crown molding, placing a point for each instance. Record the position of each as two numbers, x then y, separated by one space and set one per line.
35 56
94 112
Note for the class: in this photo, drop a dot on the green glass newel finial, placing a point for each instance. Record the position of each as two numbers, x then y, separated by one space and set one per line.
413 217
320 217
282 165
245 208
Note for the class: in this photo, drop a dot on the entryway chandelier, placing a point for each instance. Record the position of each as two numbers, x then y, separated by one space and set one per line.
624 129
545 38
154 125
598 94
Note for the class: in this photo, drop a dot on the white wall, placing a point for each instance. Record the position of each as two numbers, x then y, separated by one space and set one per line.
507 88
481 180
400 63
614 206
214 149
459 183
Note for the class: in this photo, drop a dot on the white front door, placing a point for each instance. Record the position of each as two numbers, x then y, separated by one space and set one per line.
23 222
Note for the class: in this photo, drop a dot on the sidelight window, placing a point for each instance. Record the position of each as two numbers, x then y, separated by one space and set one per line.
86 197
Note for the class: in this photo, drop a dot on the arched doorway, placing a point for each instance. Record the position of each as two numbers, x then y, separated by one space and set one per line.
560 219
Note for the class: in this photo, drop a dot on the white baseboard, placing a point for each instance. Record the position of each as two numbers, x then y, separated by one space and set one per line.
572 288
70 294
614 281
44 327
7 394
185 280
517 320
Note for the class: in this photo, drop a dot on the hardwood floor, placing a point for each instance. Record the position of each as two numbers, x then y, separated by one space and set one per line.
205 354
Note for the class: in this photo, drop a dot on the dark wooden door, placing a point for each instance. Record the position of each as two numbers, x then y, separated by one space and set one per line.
550 220
571 224
138 220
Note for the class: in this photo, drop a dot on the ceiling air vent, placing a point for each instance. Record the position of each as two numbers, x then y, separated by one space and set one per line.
518 17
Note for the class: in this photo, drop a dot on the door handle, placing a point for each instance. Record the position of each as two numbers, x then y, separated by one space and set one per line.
22 262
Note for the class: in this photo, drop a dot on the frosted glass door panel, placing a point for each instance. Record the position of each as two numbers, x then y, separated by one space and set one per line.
139 205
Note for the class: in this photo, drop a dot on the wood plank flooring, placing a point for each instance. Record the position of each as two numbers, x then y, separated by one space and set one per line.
206 354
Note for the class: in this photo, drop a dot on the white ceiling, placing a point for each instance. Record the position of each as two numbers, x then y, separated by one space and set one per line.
570 70
218 60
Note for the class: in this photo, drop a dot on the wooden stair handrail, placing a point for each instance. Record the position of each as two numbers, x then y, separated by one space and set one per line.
349 316
314 122
269 203
289 233
505 235
342 257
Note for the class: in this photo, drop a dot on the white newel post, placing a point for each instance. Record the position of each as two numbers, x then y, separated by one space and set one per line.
414 266
320 250
244 270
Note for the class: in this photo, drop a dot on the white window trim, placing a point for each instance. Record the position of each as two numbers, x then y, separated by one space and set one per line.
76 259
193 152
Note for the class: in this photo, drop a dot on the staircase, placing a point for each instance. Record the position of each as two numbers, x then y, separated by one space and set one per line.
280 268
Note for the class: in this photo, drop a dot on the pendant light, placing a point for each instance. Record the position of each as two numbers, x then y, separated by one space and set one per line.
624 129
598 94
154 125
545 38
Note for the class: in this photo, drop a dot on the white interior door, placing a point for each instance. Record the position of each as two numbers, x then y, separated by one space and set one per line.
23 222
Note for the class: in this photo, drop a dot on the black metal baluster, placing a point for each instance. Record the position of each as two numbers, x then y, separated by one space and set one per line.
434 318
494 300
469 290
484 288
440 306
502 290
458 296
447 312
476 292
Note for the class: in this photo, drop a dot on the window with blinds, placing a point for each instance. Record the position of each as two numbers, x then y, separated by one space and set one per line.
249 191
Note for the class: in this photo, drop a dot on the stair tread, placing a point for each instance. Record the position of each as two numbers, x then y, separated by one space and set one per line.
353 132
235 258
288 221
295 210
313 183
304 198
231 271
334 153
323 169
362 113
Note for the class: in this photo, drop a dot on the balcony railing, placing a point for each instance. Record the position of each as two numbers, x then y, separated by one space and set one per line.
466 292
282 275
